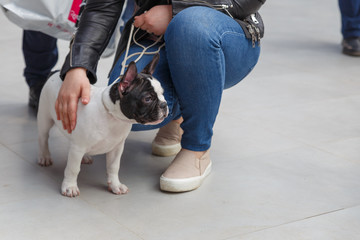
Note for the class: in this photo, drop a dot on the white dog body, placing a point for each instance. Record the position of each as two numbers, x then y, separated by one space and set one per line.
92 135
95 135
101 127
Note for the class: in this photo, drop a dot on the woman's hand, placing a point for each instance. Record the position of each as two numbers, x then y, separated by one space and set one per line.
76 85
155 20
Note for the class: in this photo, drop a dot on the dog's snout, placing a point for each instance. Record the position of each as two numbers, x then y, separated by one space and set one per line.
163 105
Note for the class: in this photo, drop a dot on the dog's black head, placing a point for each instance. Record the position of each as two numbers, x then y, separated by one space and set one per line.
140 94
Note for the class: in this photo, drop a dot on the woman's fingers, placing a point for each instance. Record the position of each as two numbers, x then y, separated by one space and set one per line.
75 85
139 21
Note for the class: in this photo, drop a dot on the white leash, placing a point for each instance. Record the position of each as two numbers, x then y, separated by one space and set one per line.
126 57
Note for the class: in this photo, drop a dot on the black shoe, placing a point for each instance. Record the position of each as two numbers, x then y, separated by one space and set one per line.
351 46
34 95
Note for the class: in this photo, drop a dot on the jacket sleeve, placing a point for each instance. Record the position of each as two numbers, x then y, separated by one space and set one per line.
96 26
243 8
238 9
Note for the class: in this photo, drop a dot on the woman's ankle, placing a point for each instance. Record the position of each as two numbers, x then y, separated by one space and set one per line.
179 120
198 154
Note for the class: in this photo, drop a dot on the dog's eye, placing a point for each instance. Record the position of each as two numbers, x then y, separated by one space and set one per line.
147 99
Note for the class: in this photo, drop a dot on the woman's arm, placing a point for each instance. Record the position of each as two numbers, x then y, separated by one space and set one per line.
97 24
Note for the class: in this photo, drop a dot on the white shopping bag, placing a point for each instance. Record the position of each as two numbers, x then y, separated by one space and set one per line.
56 18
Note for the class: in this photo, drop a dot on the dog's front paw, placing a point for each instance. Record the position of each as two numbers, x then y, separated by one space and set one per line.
86 160
45 161
117 188
70 190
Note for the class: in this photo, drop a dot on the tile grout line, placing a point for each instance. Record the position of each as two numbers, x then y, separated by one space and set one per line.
304 103
82 199
294 221
304 143
94 206
27 162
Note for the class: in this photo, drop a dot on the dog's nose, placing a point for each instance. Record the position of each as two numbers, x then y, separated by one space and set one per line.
163 105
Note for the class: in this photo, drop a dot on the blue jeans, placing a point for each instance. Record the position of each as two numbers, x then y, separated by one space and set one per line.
350 18
127 13
41 54
206 52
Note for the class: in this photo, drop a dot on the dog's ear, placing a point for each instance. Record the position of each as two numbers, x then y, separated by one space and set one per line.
128 77
150 68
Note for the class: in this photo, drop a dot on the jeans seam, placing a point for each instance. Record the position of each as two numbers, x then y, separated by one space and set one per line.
232 33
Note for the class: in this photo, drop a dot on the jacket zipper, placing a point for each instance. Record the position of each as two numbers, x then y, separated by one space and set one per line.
225 8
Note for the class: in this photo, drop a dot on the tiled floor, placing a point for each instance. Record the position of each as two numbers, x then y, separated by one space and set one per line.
286 151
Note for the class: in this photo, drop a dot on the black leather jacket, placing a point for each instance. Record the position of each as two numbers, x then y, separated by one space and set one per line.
100 18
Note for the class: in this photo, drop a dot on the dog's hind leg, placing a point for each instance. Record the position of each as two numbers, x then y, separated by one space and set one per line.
69 186
112 167
44 122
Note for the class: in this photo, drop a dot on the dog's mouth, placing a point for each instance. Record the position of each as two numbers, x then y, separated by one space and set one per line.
162 115
155 123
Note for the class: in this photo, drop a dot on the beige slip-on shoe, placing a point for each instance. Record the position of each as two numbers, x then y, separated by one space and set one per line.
186 172
167 140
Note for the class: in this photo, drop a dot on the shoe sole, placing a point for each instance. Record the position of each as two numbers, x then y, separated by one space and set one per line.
184 184
165 150
351 53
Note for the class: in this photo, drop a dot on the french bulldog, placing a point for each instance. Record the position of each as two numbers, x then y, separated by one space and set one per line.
103 124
